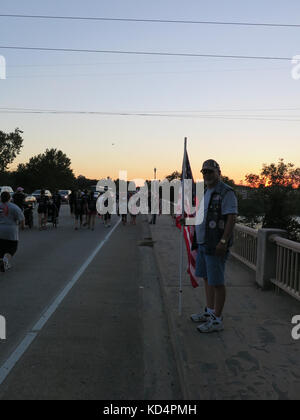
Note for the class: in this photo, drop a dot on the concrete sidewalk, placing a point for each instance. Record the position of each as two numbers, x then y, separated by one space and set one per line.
254 358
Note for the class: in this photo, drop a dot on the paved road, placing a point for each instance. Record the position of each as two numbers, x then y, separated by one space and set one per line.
108 339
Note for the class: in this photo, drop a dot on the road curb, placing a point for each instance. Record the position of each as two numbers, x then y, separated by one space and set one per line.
173 335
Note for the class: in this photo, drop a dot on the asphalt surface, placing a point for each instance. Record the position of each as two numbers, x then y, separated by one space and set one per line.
108 338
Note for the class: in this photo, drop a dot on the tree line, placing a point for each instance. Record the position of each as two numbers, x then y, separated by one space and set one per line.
51 169
271 197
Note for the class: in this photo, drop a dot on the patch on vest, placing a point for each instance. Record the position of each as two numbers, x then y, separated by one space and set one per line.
212 224
221 224
216 197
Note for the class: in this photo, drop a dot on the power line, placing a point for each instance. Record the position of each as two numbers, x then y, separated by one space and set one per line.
173 21
170 111
228 110
111 74
145 114
179 62
157 53
99 63
164 111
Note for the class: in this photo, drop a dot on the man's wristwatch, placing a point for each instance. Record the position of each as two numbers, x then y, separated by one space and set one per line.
223 241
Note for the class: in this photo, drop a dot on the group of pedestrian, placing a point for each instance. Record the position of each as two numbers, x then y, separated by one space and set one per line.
48 209
123 205
83 206
132 219
213 233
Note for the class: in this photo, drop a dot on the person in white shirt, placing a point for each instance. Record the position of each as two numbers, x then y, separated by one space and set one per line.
11 217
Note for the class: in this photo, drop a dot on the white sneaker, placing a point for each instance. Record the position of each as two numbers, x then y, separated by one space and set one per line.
211 326
7 263
202 317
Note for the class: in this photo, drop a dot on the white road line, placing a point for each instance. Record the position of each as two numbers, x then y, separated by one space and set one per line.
10 363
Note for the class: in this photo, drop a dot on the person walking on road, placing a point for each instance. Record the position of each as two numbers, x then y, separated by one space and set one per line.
92 209
43 210
107 215
10 217
78 209
132 211
19 198
157 202
123 205
85 206
72 197
57 201
214 234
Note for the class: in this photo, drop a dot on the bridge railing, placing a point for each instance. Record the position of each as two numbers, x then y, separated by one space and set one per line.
245 245
275 259
287 273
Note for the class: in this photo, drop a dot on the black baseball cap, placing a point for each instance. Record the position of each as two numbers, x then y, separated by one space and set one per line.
211 165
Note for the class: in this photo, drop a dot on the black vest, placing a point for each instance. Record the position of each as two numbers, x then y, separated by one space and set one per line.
215 221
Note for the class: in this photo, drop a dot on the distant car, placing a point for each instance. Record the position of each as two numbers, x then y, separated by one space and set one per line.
64 195
37 194
8 189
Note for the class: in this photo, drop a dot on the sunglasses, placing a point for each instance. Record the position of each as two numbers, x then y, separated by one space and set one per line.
207 171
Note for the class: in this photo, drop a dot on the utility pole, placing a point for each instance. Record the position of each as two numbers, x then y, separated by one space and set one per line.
155 170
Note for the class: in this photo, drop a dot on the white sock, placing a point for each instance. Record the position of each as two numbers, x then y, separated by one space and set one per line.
210 311
6 261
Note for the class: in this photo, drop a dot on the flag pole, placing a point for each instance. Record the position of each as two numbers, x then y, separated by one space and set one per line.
182 229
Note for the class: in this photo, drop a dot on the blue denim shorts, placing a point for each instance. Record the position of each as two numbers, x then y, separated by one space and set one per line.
211 267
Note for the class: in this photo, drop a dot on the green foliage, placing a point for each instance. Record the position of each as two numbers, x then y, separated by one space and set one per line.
173 175
282 174
10 147
275 197
7 178
293 227
83 183
251 209
228 181
50 170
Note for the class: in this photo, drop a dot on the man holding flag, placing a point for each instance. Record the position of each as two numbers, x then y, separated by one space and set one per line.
214 234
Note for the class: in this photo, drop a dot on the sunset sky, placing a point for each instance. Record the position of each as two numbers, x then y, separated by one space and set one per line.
243 113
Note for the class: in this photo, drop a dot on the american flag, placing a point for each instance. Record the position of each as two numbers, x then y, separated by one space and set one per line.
189 231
